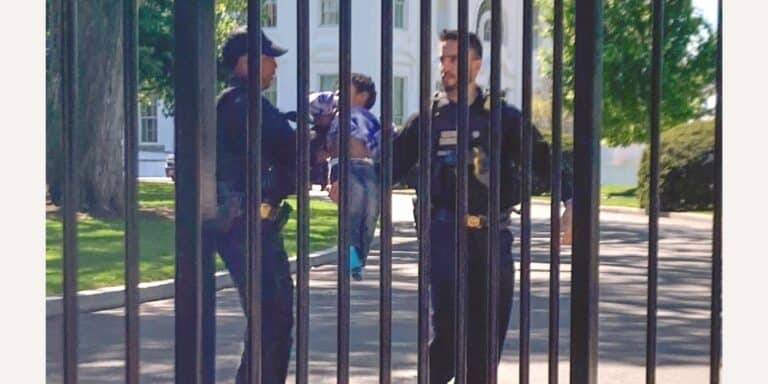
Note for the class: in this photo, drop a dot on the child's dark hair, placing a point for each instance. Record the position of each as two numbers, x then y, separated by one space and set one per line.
364 83
474 41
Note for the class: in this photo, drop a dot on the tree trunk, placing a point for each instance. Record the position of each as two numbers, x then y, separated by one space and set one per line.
53 149
99 132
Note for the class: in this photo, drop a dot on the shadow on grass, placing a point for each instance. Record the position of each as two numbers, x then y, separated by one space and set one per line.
628 192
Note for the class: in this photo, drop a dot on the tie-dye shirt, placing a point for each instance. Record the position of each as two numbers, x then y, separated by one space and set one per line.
364 125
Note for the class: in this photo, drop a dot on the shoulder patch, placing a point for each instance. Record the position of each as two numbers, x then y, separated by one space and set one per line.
487 99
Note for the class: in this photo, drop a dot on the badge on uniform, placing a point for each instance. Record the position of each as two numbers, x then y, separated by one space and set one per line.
451 138
447 138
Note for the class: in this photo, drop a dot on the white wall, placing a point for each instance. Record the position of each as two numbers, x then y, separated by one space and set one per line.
151 164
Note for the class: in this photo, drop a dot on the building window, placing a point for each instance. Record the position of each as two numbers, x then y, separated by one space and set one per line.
329 12
148 120
271 92
398 99
328 82
487 30
269 11
400 14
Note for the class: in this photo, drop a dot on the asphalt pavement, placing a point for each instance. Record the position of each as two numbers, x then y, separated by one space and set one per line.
683 331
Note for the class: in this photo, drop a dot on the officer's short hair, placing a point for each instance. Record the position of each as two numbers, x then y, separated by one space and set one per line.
234 47
474 41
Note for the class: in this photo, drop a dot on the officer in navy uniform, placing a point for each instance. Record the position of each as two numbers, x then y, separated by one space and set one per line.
443 195
278 181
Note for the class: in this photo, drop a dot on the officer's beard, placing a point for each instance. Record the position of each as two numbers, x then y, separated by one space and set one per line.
449 88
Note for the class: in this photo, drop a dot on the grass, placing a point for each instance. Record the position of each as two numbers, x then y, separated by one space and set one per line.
100 241
612 195
619 195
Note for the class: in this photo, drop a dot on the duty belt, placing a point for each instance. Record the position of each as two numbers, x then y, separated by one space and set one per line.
477 221
471 221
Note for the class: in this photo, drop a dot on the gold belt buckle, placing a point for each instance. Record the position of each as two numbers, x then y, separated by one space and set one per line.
265 210
474 222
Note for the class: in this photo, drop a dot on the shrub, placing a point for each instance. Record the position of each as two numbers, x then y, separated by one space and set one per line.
541 186
686 168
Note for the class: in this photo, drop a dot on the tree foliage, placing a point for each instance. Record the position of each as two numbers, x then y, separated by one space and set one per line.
156 44
99 132
688 70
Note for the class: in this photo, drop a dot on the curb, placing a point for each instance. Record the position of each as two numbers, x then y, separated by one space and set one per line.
113 297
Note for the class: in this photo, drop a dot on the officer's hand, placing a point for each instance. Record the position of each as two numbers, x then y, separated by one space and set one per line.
566 227
333 191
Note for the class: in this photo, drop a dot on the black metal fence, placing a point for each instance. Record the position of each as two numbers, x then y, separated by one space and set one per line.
195 196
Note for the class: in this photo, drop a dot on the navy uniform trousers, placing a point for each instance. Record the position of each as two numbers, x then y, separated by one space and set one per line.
277 296
443 286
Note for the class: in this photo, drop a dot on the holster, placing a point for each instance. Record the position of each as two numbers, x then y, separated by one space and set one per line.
282 215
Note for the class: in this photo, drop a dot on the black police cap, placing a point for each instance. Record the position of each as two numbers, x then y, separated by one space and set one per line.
236 45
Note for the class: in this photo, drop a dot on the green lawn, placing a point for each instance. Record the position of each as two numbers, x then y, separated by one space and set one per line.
100 241
612 195
619 195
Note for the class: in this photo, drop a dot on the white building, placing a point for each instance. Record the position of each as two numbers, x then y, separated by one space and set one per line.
157 130
366 45
155 140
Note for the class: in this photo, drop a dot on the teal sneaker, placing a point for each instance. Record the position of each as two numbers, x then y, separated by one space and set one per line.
355 264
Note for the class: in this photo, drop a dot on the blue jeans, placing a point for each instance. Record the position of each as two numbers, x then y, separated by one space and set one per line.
363 202
277 297
442 292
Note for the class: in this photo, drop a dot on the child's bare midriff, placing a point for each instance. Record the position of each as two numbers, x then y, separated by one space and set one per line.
357 149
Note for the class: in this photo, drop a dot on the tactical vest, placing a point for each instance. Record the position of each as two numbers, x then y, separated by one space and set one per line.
445 141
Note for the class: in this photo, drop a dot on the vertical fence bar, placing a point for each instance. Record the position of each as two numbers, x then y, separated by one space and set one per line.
302 229
385 237
494 201
555 178
653 214
253 193
716 340
195 122
463 134
345 70
525 191
71 116
586 206
194 83
208 206
424 185
130 68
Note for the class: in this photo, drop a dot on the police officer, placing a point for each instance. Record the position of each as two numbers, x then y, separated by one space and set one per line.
278 181
444 113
